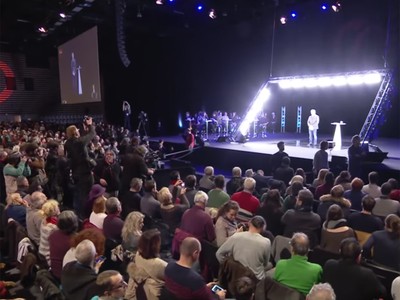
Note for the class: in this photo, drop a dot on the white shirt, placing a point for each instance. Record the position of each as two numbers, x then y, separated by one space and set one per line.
97 219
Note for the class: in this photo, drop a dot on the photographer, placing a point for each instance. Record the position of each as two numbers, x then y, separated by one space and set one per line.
16 166
76 150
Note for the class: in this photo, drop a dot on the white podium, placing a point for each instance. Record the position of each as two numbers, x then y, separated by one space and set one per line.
337 137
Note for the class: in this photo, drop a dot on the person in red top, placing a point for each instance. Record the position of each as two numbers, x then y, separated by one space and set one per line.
190 139
245 198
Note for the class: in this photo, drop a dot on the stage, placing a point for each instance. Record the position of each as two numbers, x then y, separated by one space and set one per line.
255 153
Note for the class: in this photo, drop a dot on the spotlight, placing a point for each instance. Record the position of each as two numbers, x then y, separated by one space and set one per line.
42 29
293 14
199 7
283 20
212 14
62 15
159 2
336 7
324 7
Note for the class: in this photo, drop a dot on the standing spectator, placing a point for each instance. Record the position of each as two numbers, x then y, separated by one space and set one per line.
272 211
112 225
149 205
372 188
16 166
296 272
190 140
255 243
355 195
320 160
196 221
235 183
276 158
34 216
356 155
130 201
284 172
191 190
350 280
245 199
217 197
107 173
76 148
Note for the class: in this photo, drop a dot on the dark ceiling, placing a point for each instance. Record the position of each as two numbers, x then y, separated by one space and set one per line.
20 19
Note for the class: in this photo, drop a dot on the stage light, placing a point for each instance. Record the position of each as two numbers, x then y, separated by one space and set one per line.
283 20
42 29
285 84
372 78
298 83
199 7
339 81
257 106
355 79
62 15
324 81
293 14
159 2
336 7
310 82
324 6
212 14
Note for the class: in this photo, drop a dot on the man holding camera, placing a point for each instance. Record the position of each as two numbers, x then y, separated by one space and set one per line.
76 148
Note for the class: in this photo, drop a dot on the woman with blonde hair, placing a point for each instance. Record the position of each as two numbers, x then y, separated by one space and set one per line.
49 224
132 231
171 213
16 208
320 178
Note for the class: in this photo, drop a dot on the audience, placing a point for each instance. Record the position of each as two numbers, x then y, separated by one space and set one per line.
217 197
290 200
320 160
321 291
344 179
34 216
350 280
206 183
365 221
16 208
372 188
130 201
255 255
245 198
296 272
355 194
271 210
111 286
335 197
49 224
149 205
113 224
284 172
276 158
326 187
226 224
132 231
98 212
384 205
320 178
191 190
244 288
236 182
171 213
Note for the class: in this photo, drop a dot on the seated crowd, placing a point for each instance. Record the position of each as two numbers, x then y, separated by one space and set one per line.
130 240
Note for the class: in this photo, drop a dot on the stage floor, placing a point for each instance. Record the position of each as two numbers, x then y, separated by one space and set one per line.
296 145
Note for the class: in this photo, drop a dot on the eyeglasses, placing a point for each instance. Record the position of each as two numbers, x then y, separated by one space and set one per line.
121 284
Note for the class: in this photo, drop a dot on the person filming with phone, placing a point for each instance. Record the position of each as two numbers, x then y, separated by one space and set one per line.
182 282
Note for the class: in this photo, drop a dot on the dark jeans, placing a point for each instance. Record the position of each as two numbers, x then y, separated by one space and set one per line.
82 186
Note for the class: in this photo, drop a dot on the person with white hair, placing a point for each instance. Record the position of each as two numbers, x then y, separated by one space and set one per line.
34 216
321 291
196 221
206 183
78 278
245 198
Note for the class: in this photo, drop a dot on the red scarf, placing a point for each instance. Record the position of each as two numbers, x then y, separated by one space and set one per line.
52 220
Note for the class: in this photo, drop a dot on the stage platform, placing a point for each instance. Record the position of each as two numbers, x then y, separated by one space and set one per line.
255 153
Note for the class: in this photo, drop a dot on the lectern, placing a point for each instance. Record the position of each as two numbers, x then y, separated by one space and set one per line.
337 137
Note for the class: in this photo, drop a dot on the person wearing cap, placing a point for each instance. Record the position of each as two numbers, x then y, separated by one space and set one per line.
196 221
241 244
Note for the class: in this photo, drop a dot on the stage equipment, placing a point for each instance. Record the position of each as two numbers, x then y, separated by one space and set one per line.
283 118
120 6
298 121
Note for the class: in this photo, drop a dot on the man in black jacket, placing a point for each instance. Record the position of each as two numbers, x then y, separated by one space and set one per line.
76 148
348 278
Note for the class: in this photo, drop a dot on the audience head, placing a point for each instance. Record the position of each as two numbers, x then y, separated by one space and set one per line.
174 175
14 199
350 249
229 210
357 184
72 131
113 206
321 291
93 234
190 249
285 161
149 186
190 181
272 199
111 284
386 188
22 182
297 178
50 208
300 172
85 253
38 199
323 145
219 181
260 172
249 173
296 188
200 198
337 191
149 244
300 244
68 222
334 213
322 173
257 224
164 196
209 171
99 205
356 140
281 145
368 203
329 178
141 150
343 177
136 184
133 225
249 184
305 199
392 224
394 183
244 288
373 177
236 172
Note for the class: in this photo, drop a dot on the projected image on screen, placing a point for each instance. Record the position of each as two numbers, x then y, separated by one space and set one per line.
78 62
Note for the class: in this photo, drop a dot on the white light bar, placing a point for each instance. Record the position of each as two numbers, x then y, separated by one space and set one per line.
322 81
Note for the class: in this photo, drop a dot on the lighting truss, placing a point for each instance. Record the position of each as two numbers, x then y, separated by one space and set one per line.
329 80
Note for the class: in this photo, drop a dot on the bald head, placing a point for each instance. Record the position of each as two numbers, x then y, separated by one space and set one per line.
321 291
300 243
189 246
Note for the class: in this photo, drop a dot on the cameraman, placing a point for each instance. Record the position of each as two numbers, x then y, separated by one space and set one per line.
76 150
